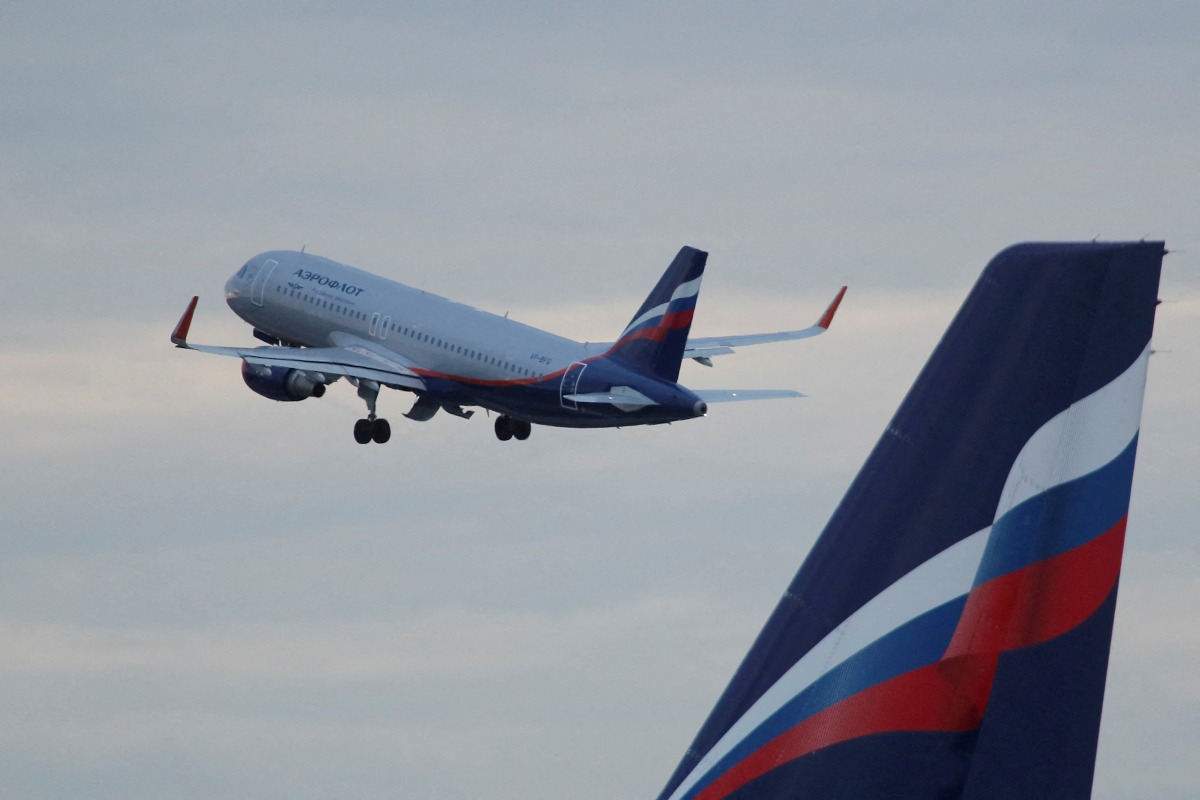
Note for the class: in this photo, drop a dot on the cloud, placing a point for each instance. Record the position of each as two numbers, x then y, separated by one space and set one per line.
205 592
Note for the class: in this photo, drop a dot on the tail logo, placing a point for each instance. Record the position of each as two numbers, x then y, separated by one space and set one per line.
655 323
922 654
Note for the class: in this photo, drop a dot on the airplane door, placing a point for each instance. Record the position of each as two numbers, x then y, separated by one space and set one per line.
570 383
259 286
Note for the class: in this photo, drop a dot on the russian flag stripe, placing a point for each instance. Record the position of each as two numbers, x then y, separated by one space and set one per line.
1034 605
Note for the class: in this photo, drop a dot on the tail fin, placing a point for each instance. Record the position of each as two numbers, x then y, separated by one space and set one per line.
948 635
655 338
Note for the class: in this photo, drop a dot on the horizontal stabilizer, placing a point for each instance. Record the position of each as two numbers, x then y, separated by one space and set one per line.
730 395
623 397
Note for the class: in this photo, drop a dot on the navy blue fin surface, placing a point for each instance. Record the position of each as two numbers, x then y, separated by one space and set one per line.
948 634
654 340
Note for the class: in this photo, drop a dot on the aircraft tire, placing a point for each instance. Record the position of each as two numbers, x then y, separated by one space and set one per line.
363 429
381 431
504 428
521 430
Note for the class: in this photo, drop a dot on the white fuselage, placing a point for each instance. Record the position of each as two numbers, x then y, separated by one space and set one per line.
309 300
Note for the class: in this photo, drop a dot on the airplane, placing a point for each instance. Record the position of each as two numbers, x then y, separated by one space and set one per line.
948 634
323 320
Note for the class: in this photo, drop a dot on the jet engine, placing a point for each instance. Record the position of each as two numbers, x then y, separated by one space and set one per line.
282 383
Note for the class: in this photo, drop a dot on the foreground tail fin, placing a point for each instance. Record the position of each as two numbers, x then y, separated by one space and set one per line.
655 338
948 635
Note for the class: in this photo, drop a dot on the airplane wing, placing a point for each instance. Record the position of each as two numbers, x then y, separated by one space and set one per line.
729 395
353 357
702 349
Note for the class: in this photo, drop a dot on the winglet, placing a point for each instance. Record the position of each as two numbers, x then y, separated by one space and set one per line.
827 317
179 336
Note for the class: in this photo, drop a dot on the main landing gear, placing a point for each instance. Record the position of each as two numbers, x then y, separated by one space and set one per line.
509 428
371 429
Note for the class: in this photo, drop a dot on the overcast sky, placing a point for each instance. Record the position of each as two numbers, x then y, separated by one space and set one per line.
203 593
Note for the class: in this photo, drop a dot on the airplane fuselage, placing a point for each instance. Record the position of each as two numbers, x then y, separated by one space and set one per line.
466 356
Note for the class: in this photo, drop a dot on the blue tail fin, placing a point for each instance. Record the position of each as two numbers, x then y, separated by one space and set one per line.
654 340
948 635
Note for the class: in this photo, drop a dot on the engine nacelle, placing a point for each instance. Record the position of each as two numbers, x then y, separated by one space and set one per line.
281 383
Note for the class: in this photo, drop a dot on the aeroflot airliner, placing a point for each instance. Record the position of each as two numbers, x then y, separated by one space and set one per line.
323 321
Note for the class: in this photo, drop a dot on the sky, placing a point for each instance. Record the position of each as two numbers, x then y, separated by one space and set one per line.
203 592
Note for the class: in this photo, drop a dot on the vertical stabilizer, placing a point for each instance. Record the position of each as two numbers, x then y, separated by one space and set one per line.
948 635
653 342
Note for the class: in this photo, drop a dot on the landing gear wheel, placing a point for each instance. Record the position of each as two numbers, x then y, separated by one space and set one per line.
521 430
504 428
381 431
363 429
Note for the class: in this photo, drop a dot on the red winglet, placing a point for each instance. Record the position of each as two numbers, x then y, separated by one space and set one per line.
827 317
179 336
